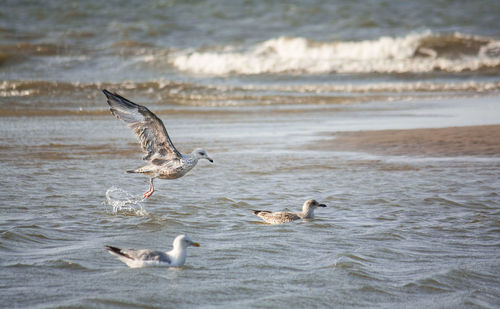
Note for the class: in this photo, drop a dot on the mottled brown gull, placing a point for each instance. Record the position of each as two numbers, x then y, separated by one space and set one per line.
285 216
165 161
135 258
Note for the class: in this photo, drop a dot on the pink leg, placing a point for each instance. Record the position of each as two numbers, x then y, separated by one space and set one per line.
151 189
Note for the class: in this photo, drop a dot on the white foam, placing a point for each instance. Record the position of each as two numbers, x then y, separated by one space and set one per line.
122 201
300 55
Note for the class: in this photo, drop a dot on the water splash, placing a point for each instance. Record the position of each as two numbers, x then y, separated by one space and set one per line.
122 201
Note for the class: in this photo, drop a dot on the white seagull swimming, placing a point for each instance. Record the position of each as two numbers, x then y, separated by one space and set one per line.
135 258
165 161
285 216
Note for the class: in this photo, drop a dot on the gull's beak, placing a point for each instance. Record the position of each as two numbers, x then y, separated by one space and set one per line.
195 244
321 205
210 159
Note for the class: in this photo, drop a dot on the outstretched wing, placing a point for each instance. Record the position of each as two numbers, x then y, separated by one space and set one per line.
148 128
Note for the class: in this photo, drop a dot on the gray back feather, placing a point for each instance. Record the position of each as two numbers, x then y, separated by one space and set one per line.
147 255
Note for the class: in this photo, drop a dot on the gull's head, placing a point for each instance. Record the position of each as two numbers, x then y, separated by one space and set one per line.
311 205
202 154
183 241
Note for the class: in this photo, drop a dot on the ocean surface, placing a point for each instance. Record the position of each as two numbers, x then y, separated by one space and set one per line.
254 83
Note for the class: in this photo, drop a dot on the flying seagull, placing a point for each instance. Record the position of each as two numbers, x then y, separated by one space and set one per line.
145 257
165 161
285 216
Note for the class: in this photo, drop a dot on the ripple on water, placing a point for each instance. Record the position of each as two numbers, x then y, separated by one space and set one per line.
115 303
349 260
428 285
376 289
60 264
22 235
442 201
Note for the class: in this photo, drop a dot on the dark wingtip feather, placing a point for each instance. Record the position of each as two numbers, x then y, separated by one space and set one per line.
115 97
256 212
116 250
109 95
113 249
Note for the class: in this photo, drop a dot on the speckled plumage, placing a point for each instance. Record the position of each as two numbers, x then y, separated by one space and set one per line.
165 161
285 216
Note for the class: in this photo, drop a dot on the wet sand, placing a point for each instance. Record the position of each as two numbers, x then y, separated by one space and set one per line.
443 142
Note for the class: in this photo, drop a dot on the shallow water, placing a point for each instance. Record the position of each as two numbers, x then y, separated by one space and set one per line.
399 231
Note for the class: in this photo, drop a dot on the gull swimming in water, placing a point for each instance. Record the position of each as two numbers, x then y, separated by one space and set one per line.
135 258
285 216
165 161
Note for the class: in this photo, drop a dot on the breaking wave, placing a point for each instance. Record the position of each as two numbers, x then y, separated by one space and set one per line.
413 53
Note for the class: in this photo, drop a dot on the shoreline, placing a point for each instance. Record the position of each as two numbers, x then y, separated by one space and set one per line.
481 141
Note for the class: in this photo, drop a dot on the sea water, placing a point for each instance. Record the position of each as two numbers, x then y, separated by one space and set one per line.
254 83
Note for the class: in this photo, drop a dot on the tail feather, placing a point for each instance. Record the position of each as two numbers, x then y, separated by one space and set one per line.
131 171
257 212
116 251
